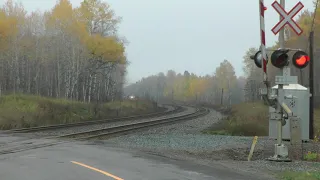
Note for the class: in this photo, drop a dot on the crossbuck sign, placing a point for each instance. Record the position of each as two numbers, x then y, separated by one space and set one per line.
287 18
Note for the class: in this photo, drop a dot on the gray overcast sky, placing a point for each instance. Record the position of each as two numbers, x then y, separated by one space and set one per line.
186 34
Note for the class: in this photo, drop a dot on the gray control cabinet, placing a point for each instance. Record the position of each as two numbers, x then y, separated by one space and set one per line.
299 105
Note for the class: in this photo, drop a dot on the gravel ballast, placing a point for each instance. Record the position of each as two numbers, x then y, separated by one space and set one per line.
186 141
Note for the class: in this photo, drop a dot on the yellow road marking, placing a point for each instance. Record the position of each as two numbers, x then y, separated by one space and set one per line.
97 170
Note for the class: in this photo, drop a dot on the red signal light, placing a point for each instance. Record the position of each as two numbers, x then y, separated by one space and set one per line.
300 59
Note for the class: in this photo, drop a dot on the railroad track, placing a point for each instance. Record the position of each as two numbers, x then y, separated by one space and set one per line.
122 119
28 145
104 132
25 142
98 133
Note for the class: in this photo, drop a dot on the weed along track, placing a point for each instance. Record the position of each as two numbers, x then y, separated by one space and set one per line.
34 143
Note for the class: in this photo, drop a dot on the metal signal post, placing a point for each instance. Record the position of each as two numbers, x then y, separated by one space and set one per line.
311 118
280 60
281 151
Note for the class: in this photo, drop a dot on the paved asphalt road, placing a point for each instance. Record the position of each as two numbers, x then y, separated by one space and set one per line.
81 161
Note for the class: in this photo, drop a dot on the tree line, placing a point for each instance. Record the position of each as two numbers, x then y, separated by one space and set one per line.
224 87
65 52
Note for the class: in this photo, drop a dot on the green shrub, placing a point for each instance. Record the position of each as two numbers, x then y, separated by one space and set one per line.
310 156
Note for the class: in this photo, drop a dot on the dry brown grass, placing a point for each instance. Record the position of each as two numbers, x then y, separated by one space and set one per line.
250 119
245 119
299 175
24 111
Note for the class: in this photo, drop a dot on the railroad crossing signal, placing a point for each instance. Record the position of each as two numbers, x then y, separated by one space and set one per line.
287 18
280 59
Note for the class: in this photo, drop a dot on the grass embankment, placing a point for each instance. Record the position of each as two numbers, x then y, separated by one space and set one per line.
245 119
250 119
300 176
18 111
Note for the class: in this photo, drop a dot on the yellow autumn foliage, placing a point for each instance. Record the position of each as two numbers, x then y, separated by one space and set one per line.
105 47
82 24
8 28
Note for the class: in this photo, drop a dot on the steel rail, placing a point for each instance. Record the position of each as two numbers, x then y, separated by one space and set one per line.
133 126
